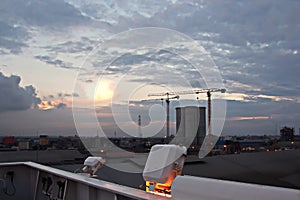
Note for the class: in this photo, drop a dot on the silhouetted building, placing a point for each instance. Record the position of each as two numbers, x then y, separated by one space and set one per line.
43 141
190 125
25 145
9 140
287 134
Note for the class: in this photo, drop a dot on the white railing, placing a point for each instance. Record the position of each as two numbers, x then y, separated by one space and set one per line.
28 180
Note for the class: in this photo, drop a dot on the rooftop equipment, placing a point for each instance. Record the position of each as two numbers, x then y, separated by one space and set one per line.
164 164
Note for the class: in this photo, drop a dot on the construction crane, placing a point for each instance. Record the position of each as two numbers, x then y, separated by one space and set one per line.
167 99
208 91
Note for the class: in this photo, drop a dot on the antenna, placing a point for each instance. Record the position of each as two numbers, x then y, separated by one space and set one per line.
140 124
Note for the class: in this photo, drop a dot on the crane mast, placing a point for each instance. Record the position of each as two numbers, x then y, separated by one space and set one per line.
167 99
209 112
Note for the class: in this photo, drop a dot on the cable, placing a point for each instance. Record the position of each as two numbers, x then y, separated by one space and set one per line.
13 188
5 188
4 184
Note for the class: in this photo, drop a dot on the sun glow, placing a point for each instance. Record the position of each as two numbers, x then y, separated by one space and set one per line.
249 118
48 105
104 91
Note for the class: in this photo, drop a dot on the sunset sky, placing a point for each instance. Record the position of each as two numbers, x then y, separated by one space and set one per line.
58 50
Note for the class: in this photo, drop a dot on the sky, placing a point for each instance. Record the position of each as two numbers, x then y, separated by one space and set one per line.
87 64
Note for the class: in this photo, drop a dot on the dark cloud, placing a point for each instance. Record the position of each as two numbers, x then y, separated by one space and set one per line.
53 13
61 106
19 16
266 53
152 66
12 39
15 97
234 22
142 80
254 43
51 102
75 94
61 95
82 46
67 95
55 62
164 56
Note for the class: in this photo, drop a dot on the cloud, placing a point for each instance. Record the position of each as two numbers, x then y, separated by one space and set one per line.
19 18
61 105
58 101
148 66
51 105
255 44
12 38
15 97
53 13
55 62
75 94
112 12
82 46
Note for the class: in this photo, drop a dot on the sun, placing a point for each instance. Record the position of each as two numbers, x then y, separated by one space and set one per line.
104 91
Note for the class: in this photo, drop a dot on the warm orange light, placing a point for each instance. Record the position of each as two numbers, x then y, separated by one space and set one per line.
163 187
249 118
47 105
44 105
158 189
162 194
104 91
161 190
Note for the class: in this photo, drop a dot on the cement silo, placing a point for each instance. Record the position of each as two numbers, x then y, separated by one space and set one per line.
190 125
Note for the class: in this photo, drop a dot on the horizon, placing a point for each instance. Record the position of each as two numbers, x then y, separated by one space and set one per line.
67 68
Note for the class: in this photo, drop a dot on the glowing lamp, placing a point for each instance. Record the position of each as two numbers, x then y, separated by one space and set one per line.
164 163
